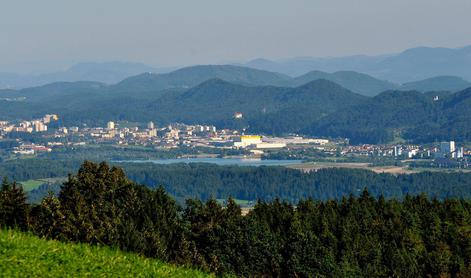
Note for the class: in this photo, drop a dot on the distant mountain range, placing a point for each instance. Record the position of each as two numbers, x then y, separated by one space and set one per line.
439 83
108 72
213 102
390 71
408 66
356 82
271 103
191 76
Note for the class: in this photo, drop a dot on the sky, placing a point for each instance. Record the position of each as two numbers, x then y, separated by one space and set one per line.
51 35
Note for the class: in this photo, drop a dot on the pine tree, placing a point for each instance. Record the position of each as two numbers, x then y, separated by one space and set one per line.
13 206
48 220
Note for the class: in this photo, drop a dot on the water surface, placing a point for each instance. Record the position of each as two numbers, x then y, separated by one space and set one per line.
221 161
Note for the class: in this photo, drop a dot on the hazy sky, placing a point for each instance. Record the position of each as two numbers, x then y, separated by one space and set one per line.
50 34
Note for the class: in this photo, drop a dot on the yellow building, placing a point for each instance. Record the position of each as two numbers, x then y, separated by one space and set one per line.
246 140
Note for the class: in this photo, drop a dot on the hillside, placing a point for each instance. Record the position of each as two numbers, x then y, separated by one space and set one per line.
354 81
103 75
374 120
75 98
453 121
439 83
28 256
106 72
265 108
410 115
425 62
408 66
302 65
191 76
101 205
320 107
305 105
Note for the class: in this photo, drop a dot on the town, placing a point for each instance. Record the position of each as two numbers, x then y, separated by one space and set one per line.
53 136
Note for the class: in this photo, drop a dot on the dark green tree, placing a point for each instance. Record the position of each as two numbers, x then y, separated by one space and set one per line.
13 207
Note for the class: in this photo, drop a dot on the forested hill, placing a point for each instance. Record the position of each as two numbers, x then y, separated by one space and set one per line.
375 120
410 115
439 83
359 236
267 183
317 108
354 81
203 181
188 77
102 72
408 66
191 76
266 109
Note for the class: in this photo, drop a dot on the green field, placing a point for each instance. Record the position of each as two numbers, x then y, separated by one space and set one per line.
31 184
237 201
24 255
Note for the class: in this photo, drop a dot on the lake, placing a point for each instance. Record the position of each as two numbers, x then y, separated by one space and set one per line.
220 161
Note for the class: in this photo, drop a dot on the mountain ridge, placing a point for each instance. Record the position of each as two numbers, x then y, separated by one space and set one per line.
104 72
438 83
407 66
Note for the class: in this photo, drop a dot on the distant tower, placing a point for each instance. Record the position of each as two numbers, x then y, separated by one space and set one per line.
150 125
110 125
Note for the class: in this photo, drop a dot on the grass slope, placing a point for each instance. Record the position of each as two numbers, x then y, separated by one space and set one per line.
31 184
24 255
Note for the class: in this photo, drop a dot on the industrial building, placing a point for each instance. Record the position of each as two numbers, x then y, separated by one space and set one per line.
244 141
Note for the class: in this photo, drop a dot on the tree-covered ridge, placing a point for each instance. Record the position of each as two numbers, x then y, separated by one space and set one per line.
203 181
354 237
412 115
410 65
438 83
318 108
266 109
356 82
192 76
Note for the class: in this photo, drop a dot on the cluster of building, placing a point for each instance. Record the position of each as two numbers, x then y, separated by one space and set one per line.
171 136
398 151
36 125
450 150
31 149
445 150
177 135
